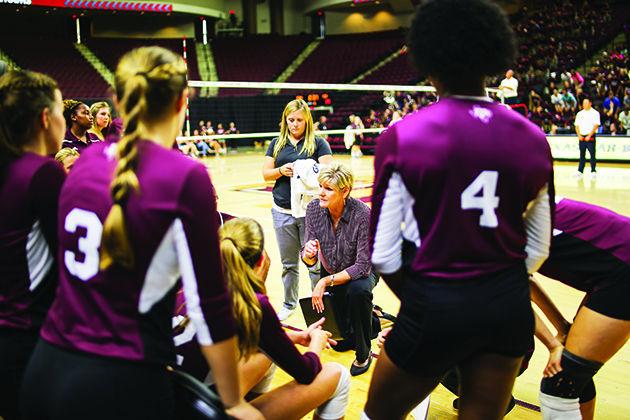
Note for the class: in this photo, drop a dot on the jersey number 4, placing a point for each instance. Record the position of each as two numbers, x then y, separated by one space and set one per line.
486 185
87 244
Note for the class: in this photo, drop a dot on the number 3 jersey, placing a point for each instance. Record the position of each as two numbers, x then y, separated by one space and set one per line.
170 221
469 182
29 193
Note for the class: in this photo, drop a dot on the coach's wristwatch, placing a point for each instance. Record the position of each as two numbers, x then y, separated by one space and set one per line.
332 280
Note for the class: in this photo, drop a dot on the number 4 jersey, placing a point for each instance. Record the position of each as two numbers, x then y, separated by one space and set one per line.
470 183
171 226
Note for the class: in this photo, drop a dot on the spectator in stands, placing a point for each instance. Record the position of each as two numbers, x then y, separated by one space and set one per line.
556 101
509 88
356 124
624 120
569 103
220 129
396 116
321 125
209 128
626 98
337 222
66 158
102 117
587 121
297 141
232 143
612 105
78 120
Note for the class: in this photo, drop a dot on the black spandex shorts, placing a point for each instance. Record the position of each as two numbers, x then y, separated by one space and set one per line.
612 299
62 384
443 322
16 347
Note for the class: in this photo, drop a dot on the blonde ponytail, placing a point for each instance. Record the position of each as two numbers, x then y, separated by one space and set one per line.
242 245
148 72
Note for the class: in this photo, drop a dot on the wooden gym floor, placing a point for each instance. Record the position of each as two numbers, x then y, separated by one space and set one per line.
242 192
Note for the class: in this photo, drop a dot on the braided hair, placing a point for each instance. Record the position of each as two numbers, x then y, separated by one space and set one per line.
149 80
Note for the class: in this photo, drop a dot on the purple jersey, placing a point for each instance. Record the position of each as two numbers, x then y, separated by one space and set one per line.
467 181
29 194
273 342
590 247
127 313
73 142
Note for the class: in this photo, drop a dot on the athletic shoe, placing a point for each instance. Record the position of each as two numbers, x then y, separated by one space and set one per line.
593 175
579 175
359 370
284 313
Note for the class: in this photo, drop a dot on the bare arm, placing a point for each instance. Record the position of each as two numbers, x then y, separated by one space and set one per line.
269 171
551 311
326 159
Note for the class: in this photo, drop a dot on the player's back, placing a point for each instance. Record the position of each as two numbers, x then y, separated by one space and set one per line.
120 312
470 168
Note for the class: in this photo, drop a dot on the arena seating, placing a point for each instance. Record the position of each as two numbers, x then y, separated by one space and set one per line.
339 58
59 59
255 59
109 50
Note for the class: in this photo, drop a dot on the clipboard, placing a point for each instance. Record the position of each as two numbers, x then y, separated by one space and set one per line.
311 315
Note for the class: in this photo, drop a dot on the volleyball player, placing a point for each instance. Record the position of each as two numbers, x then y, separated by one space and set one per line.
129 227
468 185
31 128
78 121
590 251
261 338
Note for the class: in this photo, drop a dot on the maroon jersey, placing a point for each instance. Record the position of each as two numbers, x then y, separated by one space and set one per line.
467 181
73 142
29 193
590 246
124 313
273 342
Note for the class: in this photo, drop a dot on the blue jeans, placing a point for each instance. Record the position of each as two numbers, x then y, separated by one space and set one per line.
290 237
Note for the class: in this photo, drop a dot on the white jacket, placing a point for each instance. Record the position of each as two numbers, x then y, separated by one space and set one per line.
304 185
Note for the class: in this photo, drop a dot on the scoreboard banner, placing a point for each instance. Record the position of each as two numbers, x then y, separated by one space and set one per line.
608 147
128 6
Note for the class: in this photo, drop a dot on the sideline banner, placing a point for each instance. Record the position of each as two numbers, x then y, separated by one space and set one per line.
608 148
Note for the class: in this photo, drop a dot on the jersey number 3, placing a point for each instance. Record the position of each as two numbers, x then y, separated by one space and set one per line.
487 202
87 244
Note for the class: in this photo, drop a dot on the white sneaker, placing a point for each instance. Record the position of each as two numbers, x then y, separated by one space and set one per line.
284 313
593 175
579 175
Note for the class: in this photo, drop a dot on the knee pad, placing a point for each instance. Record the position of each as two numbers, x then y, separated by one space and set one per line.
588 393
335 407
576 374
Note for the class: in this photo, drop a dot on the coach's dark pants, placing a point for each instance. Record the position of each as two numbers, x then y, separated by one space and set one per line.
590 146
353 308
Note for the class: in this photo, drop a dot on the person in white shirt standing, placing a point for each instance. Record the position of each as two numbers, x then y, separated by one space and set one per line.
509 88
587 122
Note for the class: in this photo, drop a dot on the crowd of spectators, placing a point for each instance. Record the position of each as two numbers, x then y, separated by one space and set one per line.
553 42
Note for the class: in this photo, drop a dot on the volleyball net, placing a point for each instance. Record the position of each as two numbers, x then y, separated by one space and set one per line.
248 113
